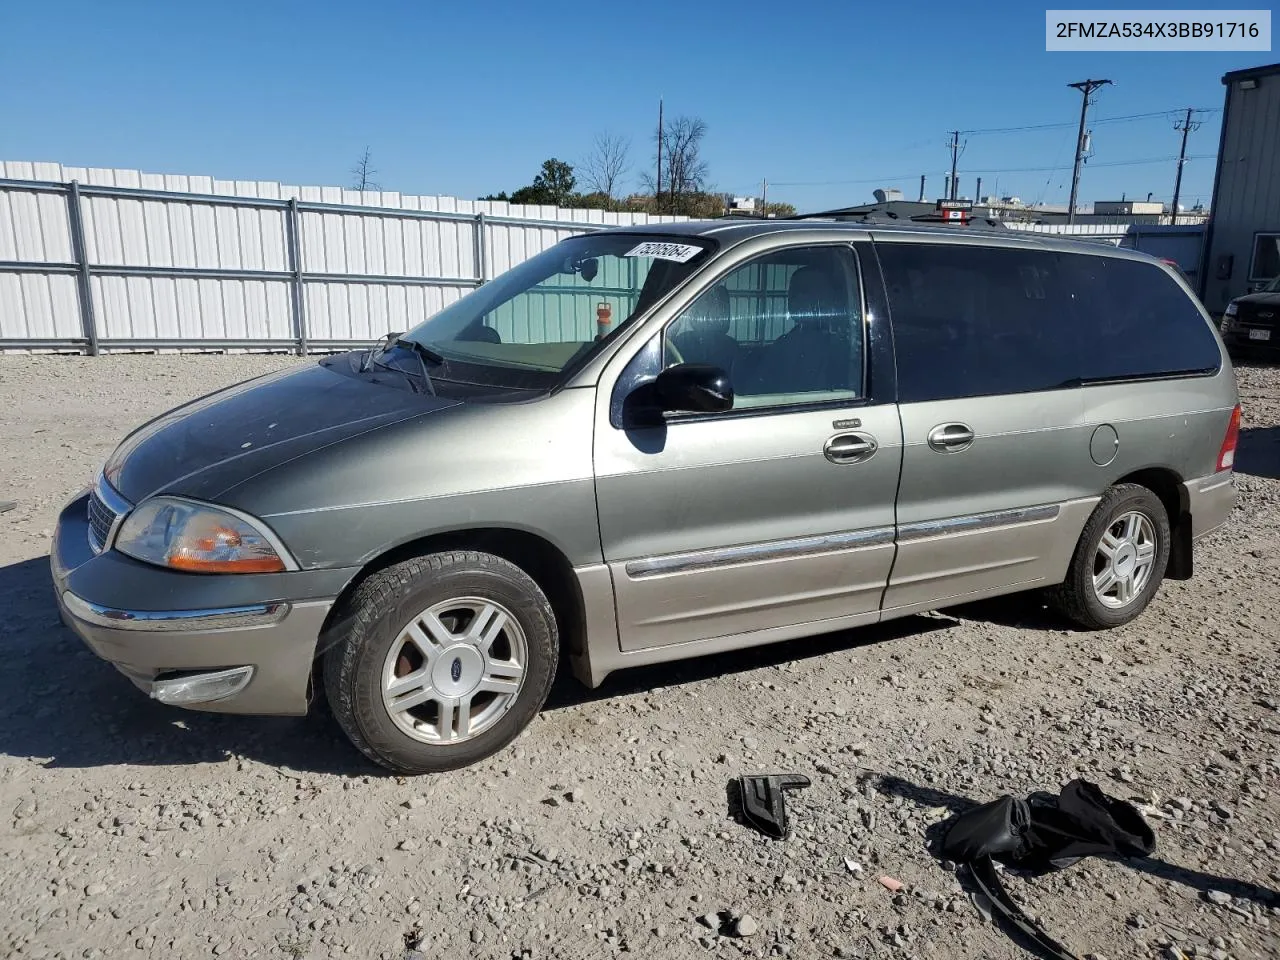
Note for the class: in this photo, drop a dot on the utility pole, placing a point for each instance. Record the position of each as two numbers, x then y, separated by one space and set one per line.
1086 87
764 197
955 154
977 192
1186 127
657 184
922 188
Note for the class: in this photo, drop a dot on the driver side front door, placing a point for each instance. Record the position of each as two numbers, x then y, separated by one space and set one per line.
774 519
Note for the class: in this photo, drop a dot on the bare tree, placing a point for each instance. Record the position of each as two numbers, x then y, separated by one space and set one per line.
606 164
685 171
362 173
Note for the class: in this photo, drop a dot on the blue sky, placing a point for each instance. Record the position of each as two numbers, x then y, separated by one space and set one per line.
827 100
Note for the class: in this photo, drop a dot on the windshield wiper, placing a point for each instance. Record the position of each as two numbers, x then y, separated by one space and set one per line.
421 348
373 357
423 353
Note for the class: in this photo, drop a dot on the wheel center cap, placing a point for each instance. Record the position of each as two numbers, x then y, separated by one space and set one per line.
457 671
1126 560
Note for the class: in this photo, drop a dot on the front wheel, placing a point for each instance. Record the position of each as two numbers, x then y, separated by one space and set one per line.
1119 562
441 661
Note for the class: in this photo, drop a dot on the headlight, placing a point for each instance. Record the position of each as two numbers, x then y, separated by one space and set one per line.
1231 309
198 538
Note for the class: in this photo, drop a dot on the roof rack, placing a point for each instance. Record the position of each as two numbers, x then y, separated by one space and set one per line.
886 216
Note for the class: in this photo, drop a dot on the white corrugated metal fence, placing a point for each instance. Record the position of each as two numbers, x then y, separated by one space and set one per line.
94 259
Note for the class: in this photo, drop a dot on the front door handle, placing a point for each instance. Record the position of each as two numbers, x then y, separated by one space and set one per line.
850 448
951 437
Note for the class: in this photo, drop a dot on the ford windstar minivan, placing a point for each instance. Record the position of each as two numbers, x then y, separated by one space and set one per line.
652 443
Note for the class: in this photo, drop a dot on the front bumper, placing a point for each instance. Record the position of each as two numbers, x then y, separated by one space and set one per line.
167 631
1235 335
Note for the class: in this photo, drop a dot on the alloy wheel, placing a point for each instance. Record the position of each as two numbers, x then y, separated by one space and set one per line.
454 670
1124 560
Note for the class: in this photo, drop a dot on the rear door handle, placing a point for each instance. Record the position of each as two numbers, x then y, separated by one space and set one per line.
951 437
850 448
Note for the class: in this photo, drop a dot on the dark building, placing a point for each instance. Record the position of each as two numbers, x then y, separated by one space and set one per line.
1242 245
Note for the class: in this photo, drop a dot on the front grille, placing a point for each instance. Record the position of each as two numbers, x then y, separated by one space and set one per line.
101 520
1258 315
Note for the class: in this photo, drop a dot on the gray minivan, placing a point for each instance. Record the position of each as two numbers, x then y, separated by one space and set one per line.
645 444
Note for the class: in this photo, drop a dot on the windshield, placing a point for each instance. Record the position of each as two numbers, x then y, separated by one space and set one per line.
524 329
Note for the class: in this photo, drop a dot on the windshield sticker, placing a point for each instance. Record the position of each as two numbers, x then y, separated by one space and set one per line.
679 252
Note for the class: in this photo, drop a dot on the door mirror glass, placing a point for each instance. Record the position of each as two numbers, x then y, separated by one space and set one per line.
693 388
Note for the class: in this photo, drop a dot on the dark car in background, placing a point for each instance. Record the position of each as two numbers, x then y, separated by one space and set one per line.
1252 323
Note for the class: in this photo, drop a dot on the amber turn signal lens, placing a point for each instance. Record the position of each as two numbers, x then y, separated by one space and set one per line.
198 538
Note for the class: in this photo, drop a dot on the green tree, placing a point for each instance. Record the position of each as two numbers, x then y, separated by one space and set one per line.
552 186
556 181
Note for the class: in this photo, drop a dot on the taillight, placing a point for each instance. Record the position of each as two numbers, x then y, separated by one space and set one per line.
1227 455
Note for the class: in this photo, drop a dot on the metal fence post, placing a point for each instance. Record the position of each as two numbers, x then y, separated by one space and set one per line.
75 217
293 235
482 251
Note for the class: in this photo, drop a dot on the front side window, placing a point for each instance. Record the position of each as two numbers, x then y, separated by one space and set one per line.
787 328
1266 257
972 321
528 326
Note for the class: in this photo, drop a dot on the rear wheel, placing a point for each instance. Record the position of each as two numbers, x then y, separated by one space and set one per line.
441 661
1119 562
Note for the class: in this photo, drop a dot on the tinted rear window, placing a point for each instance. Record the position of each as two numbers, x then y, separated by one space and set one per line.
1137 322
973 321
978 321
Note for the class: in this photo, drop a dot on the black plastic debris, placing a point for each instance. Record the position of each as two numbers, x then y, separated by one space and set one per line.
1041 833
763 804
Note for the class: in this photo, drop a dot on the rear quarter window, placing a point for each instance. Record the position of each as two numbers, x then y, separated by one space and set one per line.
1134 321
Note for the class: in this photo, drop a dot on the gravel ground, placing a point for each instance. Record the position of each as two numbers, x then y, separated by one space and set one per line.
131 829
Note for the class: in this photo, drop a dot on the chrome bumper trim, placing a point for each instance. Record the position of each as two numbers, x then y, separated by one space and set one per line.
224 618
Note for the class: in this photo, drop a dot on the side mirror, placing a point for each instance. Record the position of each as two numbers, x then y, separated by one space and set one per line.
693 388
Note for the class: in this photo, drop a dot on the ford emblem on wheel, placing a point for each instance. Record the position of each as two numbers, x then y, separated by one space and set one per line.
455 669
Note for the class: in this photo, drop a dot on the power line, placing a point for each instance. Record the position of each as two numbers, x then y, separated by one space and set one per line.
1057 166
1160 114
985 170
1136 162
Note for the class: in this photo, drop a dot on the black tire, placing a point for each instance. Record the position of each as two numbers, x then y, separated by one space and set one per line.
1076 598
358 645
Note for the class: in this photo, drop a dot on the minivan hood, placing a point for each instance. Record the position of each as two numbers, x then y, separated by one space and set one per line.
203 448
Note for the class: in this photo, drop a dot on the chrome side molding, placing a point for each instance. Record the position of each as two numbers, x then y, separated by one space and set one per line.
757 552
851 540
977 521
